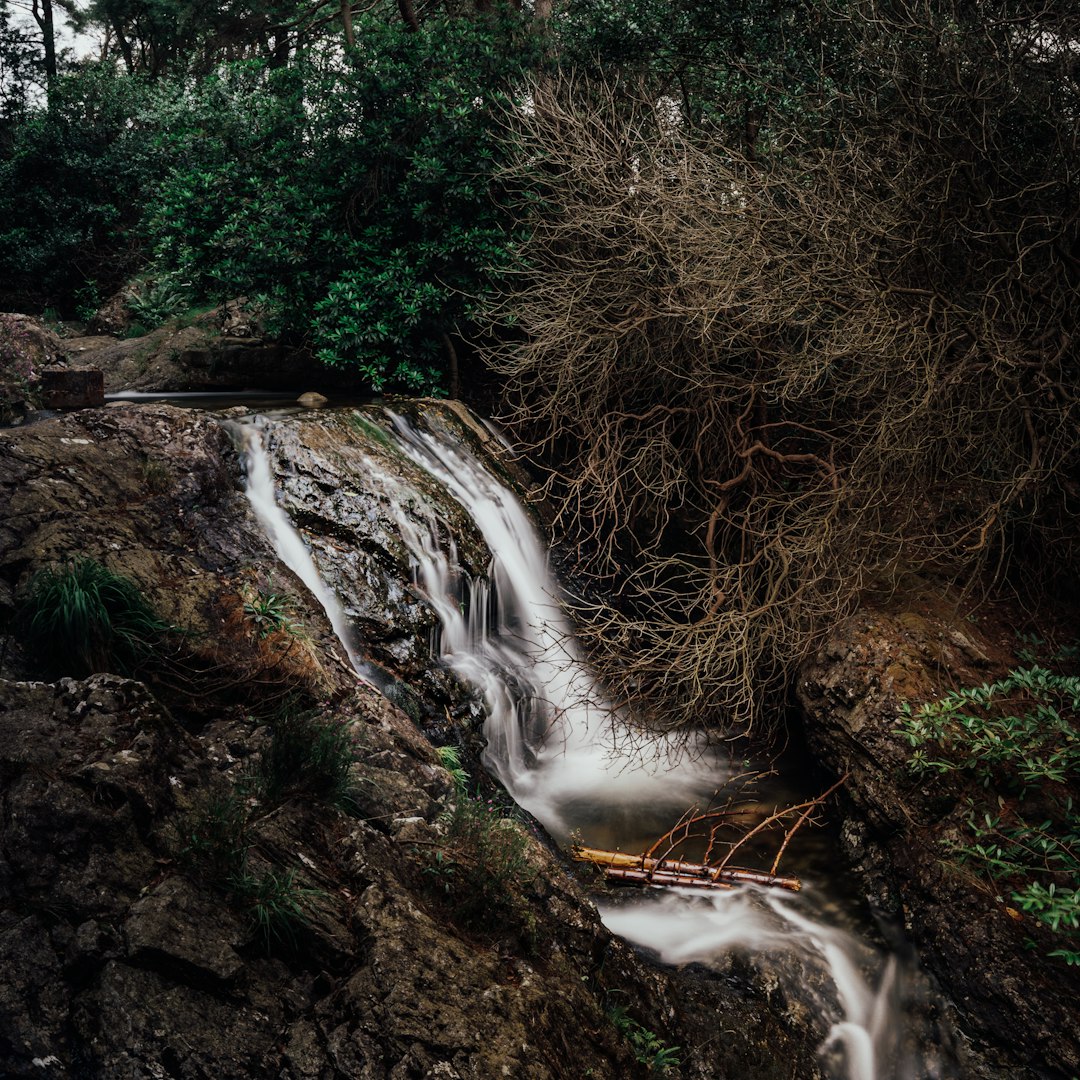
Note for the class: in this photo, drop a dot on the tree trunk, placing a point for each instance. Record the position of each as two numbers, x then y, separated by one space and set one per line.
346 22
42 11
408 13
452 364
125 47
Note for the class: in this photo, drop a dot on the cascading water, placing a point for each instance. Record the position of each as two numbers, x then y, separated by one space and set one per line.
563 753
864 1042
555 743
552 738
288 543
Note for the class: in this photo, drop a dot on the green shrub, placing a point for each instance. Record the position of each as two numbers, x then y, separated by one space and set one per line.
80 617
358 204
74 183
1018 739
157 300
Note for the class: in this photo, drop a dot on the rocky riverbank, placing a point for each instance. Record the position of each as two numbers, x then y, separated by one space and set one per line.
1016 1002
125 956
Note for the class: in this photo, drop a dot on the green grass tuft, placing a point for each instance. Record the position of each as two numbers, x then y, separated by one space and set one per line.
80 618
309 754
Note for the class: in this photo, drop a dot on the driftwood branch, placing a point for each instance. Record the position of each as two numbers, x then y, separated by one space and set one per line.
617 865
660 864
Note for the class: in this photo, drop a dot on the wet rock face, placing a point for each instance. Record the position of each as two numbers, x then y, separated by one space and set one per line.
122 957
27 347
155 494
1016 1004
340 480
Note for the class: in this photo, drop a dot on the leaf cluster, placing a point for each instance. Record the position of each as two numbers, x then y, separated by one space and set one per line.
354 203
74 181
1018 739
649 1049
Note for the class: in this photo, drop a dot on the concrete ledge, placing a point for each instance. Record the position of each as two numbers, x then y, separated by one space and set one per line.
72 388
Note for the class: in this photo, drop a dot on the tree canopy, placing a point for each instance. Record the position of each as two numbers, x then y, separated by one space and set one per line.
782 292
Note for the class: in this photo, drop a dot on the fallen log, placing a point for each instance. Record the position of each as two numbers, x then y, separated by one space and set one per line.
663 878
640 868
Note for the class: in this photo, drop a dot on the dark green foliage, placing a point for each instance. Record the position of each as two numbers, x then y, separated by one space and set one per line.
80 618
1018 739
309 754
356 204
745 71
73 183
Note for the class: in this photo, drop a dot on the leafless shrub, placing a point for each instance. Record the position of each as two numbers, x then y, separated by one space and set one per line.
762 387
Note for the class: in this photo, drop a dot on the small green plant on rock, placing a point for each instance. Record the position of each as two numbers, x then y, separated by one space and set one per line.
450 759
270 613
483 866
276 904
649 1049
1017 738
309 753
80 617
215 845
155 302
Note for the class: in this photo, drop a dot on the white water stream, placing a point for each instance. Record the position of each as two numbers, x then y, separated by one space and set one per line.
288 543
560 749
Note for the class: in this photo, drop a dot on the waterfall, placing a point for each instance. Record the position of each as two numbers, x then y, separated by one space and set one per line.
556 744
287 542
564 754
553 739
